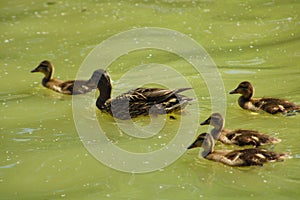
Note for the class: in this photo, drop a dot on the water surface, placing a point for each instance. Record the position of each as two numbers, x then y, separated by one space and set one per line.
41 155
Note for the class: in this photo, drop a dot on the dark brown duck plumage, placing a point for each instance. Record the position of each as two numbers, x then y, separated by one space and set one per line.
270 105
244 157
139 101
66 87
239 137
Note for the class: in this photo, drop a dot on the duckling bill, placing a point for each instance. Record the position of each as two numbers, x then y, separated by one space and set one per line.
69 87
139 101
269 105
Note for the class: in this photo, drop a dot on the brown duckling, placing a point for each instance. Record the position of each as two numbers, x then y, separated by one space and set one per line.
139 101
66 87
270 105
244 157
238 137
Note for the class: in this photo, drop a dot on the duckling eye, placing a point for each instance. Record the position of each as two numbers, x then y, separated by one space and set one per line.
45 68
216 119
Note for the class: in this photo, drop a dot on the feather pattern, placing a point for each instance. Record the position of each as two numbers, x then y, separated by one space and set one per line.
242 137
139 101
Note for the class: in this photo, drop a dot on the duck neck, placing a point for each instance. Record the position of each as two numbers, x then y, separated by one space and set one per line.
243 100
208 145
104 95
218 127
105 88
206 152
248 95
48 75
216 132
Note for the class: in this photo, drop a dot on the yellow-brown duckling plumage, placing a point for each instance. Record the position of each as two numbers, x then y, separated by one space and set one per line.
244 157
239 137
66 87
139 101
270 105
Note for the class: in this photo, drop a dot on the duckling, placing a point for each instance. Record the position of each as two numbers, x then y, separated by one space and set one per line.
139 101
270 105
66 87
238 137
244 157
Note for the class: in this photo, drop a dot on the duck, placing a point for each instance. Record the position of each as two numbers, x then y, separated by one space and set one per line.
238 158
269 105
70 87
240 137
139 101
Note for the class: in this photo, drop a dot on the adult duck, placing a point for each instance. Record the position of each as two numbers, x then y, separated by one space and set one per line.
239 137
139 101
65 87
270 105
244 157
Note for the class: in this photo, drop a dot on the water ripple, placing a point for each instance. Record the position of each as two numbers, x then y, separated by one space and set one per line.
8 166
239 72
250 62
28 130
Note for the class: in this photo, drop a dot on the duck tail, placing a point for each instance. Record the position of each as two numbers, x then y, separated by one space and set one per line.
293 112
275 140
181 105
285 155
184 99
181 90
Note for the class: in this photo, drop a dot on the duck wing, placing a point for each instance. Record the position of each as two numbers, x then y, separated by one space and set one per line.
76 87
66 87
142 101
274 105
253 156
59 85
155 95
250 137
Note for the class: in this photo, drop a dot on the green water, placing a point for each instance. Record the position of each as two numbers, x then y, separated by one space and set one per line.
41 155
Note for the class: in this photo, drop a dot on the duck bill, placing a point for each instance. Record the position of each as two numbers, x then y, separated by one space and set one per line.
192 146
233 91
206 122
34 70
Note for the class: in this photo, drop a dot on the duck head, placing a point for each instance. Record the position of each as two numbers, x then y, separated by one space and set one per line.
96 76
245 89
206 141
46 68
198 142
217 121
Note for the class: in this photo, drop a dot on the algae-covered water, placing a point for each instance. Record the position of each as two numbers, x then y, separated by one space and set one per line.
42 155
